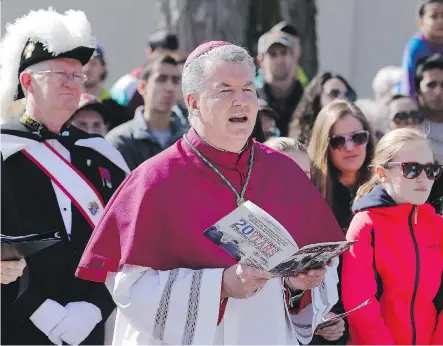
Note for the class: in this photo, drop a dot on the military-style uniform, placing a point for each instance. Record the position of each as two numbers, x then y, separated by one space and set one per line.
40 210
52 182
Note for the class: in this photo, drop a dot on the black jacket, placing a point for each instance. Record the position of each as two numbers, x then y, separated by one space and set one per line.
137 143
31 196
436 196
284 107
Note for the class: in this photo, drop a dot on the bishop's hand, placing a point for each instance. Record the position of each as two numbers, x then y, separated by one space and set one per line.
241 281
309 280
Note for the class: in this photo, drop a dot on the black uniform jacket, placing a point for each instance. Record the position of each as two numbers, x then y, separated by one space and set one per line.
29 205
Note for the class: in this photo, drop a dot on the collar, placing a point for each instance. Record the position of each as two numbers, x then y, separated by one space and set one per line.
39 129
143 132
216 156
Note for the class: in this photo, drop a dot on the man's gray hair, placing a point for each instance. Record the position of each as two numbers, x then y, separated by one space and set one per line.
193 76
38 67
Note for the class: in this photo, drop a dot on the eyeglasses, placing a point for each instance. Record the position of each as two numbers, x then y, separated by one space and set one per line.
64 76
336 93
340 141
412 170
413 116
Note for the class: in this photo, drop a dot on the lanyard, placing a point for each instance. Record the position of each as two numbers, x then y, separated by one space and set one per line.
240 197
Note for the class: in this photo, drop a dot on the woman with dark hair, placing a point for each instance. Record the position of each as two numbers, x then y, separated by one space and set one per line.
323 89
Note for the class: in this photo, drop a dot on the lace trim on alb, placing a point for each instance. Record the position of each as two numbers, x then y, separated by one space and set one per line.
163 308
193 304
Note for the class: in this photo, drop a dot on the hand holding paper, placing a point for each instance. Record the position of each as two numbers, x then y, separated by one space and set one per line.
254 238
332 332
11 270
309 280
241 281
334 319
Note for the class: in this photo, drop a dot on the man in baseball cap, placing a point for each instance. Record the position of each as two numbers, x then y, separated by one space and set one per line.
92 116
281 89
270 38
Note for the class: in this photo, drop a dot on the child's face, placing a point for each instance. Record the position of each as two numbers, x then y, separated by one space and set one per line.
404 190
431 24
301 159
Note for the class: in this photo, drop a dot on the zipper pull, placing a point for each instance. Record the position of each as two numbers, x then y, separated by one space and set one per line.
416 215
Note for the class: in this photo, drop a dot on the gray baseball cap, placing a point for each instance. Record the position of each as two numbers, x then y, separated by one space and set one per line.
270 38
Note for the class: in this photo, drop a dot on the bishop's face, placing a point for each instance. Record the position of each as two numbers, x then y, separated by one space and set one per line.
227 106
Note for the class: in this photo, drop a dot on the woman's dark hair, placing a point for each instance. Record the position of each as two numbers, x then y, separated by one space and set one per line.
309 106
257 132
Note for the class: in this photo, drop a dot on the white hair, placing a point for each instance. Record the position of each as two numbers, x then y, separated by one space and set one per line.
193 76
385 82
376 113
38 67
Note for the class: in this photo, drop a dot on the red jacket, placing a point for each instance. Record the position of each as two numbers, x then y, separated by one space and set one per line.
398 260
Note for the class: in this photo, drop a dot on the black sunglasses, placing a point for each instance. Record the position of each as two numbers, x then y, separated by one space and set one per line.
414 116
358 138
412 170
336 93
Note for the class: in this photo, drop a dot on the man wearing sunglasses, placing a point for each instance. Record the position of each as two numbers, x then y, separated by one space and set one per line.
404 112
60 179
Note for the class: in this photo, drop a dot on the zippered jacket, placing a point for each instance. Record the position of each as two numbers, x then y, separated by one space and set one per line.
398 262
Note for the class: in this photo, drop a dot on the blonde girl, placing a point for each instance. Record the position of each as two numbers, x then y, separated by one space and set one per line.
398 258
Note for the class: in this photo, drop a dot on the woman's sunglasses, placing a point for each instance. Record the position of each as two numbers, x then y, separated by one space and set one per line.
412 170
336 93
358 138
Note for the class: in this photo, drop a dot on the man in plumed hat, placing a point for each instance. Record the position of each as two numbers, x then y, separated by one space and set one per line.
171 284
59 179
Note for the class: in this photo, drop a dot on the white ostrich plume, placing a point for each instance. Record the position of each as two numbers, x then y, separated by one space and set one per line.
57 32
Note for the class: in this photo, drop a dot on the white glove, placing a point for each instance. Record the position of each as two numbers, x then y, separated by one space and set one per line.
48 316
81 319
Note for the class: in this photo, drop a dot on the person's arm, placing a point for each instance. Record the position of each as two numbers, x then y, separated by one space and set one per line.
179 306
359 283
307 315
411 55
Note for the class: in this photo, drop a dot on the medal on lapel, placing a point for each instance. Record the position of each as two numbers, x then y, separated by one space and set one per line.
93 207
106 177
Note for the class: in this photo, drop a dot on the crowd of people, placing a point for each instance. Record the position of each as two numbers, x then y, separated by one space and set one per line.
130 177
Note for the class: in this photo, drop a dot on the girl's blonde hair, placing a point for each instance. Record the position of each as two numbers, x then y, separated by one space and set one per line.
286 144
324 172
389 146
